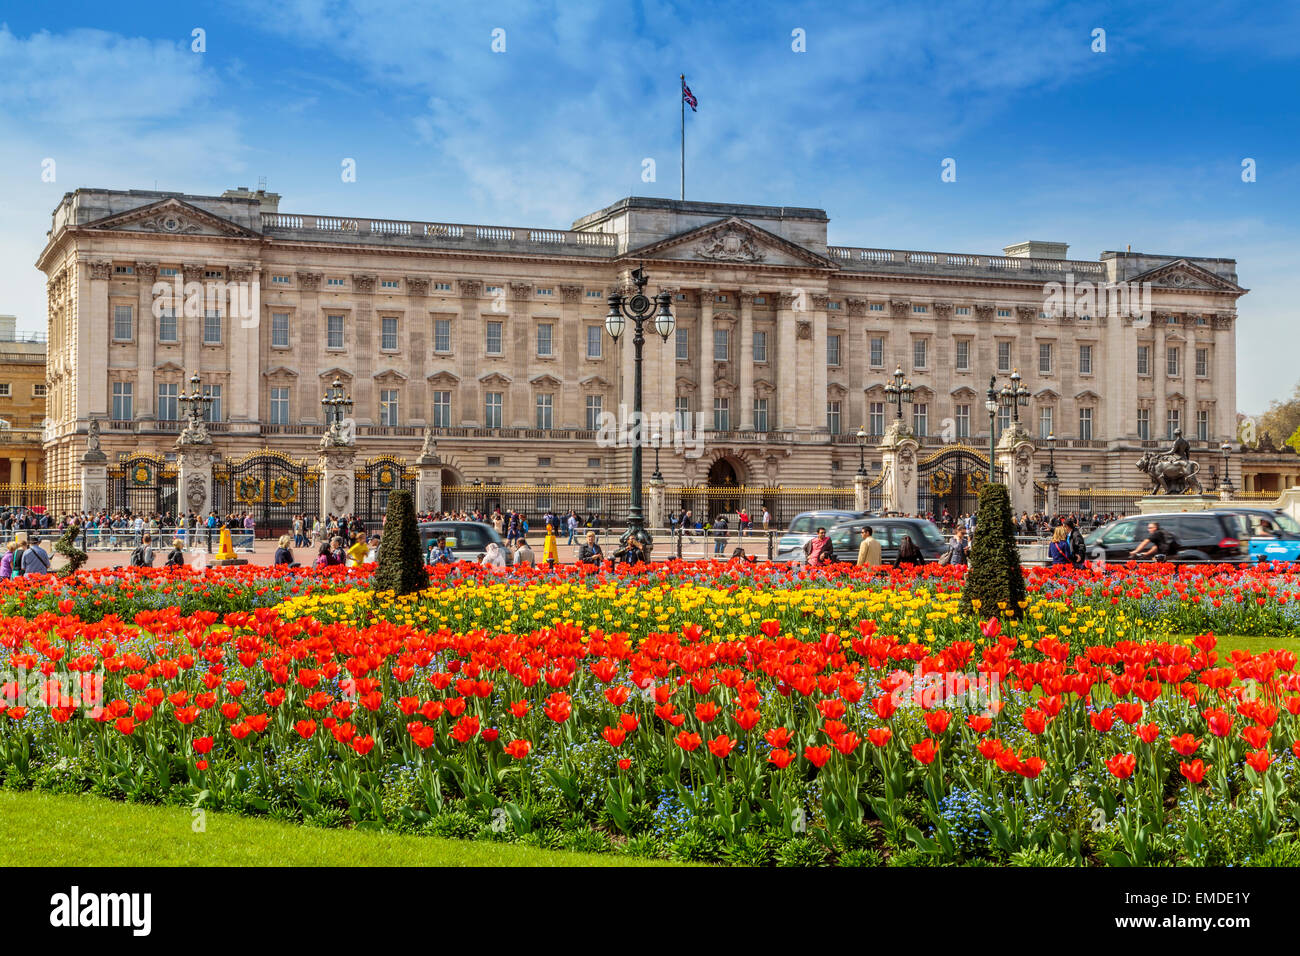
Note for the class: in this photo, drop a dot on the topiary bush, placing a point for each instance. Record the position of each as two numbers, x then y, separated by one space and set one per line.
67 547
401 564
994 577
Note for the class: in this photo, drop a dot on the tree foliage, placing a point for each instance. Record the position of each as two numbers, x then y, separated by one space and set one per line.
1281 421
67 547
994 578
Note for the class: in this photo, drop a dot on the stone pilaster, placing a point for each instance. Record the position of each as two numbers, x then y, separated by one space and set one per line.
706 357
784 363
655 516
338 474
1015 456
898 460
146 336
365 347
469 349
745 358
194 481
861 495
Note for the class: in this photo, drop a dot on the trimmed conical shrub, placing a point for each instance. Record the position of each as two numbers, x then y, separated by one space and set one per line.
401 564
995 585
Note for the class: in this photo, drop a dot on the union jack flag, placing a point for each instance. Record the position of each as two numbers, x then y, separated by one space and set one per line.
688 97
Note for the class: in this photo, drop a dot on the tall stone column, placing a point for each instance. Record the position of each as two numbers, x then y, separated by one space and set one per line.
784 364
243 316
898 461
191 325
93 328
745 359
308 332
571 336
469 349
817 414
417 327
706 357
365 348
338 474
861 495
146 335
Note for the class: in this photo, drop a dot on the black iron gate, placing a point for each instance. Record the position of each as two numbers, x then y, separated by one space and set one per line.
272 486
950 480
142 483
375 481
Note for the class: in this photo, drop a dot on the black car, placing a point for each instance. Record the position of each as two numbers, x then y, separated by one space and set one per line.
468 540
847 538
1202 537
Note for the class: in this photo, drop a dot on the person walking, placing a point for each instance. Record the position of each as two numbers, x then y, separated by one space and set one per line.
550 548
572 522
869 553
176 556
35 559
959 547
720 535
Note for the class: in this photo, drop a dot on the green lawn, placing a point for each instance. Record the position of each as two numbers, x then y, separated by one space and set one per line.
1253 644
40 829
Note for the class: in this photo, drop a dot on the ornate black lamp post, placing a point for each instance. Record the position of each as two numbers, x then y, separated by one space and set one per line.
1225 483
898 391
478 492
194 404
1015 395
1051 455
991 406
862 451
337 405
638 308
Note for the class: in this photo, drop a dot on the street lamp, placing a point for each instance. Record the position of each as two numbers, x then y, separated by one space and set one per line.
1225 483
862 450
991 406
195 403
638 308
656 439
478 491
1051 455
336 403
898 391
1018 395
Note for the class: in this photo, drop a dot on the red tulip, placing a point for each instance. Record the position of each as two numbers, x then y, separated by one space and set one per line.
780 758
879 736
518 749
1220 723
1147 732
614 737
1194 771
925 751
202 745
305 728
363 745
1035 721
1259 760
1129 711
846 743
625 763
1122 765
937 721
817 756
747 719
688 741
777 737
1031 768
1102 720
1184 744
1257 737
979 723
706 711
721 746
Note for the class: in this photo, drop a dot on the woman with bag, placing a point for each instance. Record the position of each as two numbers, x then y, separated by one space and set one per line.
1059 550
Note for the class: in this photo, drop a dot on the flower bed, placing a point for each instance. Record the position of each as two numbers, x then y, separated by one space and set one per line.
820 730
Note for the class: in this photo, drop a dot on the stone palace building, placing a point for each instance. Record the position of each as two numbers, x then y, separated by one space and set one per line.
493 338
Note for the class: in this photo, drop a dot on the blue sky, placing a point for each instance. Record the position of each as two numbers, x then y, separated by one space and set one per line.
1139 145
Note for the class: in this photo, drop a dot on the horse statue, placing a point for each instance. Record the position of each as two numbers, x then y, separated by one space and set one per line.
1170 474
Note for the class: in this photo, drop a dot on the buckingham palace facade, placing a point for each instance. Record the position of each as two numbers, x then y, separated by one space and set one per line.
492 338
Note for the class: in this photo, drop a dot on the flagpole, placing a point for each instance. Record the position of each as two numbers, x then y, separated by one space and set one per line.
683 99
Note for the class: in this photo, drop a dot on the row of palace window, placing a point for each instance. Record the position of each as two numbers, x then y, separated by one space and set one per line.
167 409
389 341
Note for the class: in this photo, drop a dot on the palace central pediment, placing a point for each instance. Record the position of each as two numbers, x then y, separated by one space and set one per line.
732 241
1182 274
171 217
